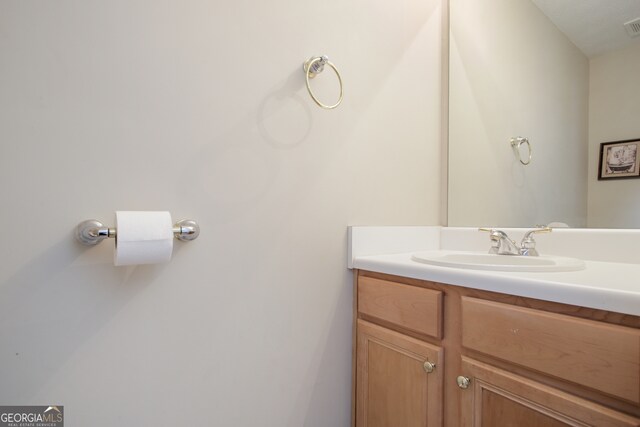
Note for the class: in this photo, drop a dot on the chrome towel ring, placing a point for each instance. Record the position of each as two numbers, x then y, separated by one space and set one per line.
314 66
516 143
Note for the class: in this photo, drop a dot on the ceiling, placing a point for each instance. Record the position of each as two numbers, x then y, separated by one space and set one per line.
594 26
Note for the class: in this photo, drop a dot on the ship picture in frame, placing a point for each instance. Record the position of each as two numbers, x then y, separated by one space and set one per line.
619 160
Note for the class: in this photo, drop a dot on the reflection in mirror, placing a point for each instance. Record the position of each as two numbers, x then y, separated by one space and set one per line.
564 75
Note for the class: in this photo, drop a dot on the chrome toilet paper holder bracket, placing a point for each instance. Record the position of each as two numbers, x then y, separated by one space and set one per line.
91 232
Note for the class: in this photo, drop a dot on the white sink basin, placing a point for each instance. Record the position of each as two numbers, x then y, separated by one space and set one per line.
485 261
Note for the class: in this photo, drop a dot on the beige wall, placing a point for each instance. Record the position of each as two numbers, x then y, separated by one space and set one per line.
513 73
613 116
199 107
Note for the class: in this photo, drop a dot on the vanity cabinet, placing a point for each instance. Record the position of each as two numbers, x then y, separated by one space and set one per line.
399 379
429 354
399 375
496 397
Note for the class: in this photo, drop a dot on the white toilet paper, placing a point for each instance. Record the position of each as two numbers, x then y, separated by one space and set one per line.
143 237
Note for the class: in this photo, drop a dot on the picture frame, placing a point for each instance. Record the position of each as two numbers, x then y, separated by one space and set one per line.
619 160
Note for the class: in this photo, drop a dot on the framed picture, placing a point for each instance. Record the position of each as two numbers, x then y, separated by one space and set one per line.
619 160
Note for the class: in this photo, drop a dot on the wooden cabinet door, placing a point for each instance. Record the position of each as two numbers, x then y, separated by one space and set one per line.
393 387
498 398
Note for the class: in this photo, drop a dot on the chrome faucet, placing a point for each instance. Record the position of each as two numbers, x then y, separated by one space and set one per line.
501 244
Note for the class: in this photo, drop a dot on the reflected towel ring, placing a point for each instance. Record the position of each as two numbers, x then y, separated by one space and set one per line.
314 66
516 143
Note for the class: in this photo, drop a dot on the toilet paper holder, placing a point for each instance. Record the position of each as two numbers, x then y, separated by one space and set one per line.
91 232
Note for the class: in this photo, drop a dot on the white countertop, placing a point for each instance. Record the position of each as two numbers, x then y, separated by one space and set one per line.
612 286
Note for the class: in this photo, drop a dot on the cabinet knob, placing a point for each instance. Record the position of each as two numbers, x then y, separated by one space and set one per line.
463 382
428 367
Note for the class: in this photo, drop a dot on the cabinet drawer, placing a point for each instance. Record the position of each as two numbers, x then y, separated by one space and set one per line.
410 307
597 355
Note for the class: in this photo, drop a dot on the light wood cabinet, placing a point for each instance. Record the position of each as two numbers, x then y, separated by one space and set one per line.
411 308
529 363
593 354
399 379
496 397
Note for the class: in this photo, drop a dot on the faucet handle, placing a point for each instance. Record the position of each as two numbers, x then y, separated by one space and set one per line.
538 229
494 233
501 243
528 245
495 239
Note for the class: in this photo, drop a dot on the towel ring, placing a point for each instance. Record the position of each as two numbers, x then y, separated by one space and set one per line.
314 66
516 143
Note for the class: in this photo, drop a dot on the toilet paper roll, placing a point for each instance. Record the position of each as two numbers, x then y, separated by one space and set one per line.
143 237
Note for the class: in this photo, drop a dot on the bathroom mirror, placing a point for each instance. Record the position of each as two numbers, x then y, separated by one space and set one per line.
564 75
